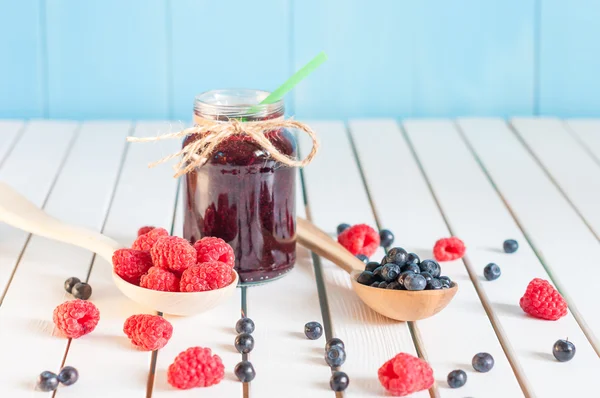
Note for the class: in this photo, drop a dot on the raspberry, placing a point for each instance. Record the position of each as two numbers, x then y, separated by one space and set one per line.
76 318
173 253
145 230
147 240
214 249
148 332
448 249
206 276
131 264
360 239
160 279
541 300
195 367
405 374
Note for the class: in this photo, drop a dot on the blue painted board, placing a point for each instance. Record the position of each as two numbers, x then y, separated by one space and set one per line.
107 59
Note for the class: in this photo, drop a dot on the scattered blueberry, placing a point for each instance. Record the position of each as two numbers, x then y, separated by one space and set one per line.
427 276
68 375
414 282
510 246
492 272
82 291
334 341
339 381
431 267
457 378
371 266
483 362
402 276
313 330
362 258
397 255
69 283
377 272
383 285
244 371
390 272
386 237
47 381
394 286
244 325
563 350
366 278
434 284
342 227
244 343
412 258
335 356
414 268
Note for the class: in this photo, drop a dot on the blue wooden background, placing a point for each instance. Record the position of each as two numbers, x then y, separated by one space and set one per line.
145 59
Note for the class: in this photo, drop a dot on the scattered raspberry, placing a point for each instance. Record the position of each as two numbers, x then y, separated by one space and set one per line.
145 230
206 276
131 264
195 367
160 279
148 332
174 253
76 318
214 249
448 249
542 300
147 240
360 239
405 374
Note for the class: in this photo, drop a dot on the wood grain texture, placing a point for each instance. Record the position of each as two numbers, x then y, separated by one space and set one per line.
587 131
10 131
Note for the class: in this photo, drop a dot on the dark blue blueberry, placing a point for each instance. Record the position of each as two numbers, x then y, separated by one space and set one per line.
69 283
383 285
244 343
390 272
386 237
431 267
339 381
414 268
434 284
377 273
457 378
375 284
414 282
313 330
483 362
342 227
445 280
244 325
510 246
491 272
362 258
402 276
334 341
68 375
82 291
394 286
371 266
384 260
397 255
366 278
47 381
427 276
244 371
335 356
412 258
563 350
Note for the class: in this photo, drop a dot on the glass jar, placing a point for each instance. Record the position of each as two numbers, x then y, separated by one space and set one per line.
241 194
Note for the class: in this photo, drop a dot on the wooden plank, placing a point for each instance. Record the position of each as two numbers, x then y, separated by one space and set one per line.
9 132
81 196
336 194
587 131
554 229
417 223
526 340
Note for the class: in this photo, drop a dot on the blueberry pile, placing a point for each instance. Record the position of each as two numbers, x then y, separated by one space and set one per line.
48 381
400 270
79 290
244 343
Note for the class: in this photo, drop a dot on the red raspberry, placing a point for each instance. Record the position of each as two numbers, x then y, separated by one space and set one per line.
148 332
405 374
195 367
174 253
542 300
214 249
160 279
360 239
131 264
145 230
206 276
76 318
448 249
147 240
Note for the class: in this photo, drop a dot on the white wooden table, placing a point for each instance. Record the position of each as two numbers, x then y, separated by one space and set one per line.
483 180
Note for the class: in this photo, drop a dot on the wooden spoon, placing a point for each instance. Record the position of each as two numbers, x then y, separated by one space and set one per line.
401 305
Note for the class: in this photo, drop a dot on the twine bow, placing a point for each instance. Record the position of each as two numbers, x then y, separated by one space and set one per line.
212 133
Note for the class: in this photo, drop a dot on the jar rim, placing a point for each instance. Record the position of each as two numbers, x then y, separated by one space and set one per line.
236 103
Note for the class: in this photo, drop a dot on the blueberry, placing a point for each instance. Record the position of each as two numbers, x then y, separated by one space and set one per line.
394 286
362 258
412 258
341 228
402 276
82 291
414 268
397 255
383 285
445 280
244 325
371 266
483 362
375 284
434 284
491 272
244 343
339 381
334 341
313 330
510 246
427 276
68 375
47 381
563 350
69 283
377 273
390 272
414 282
384 261
457 378
366 278
244 371
386 237
335 356
431 267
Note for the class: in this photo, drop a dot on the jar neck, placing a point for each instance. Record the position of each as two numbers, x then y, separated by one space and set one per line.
223 105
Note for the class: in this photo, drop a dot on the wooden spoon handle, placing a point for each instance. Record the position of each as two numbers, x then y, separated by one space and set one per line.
19 212
323 245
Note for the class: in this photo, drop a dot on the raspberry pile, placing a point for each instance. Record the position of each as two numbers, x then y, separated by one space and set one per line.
148 332
405 374
195 367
